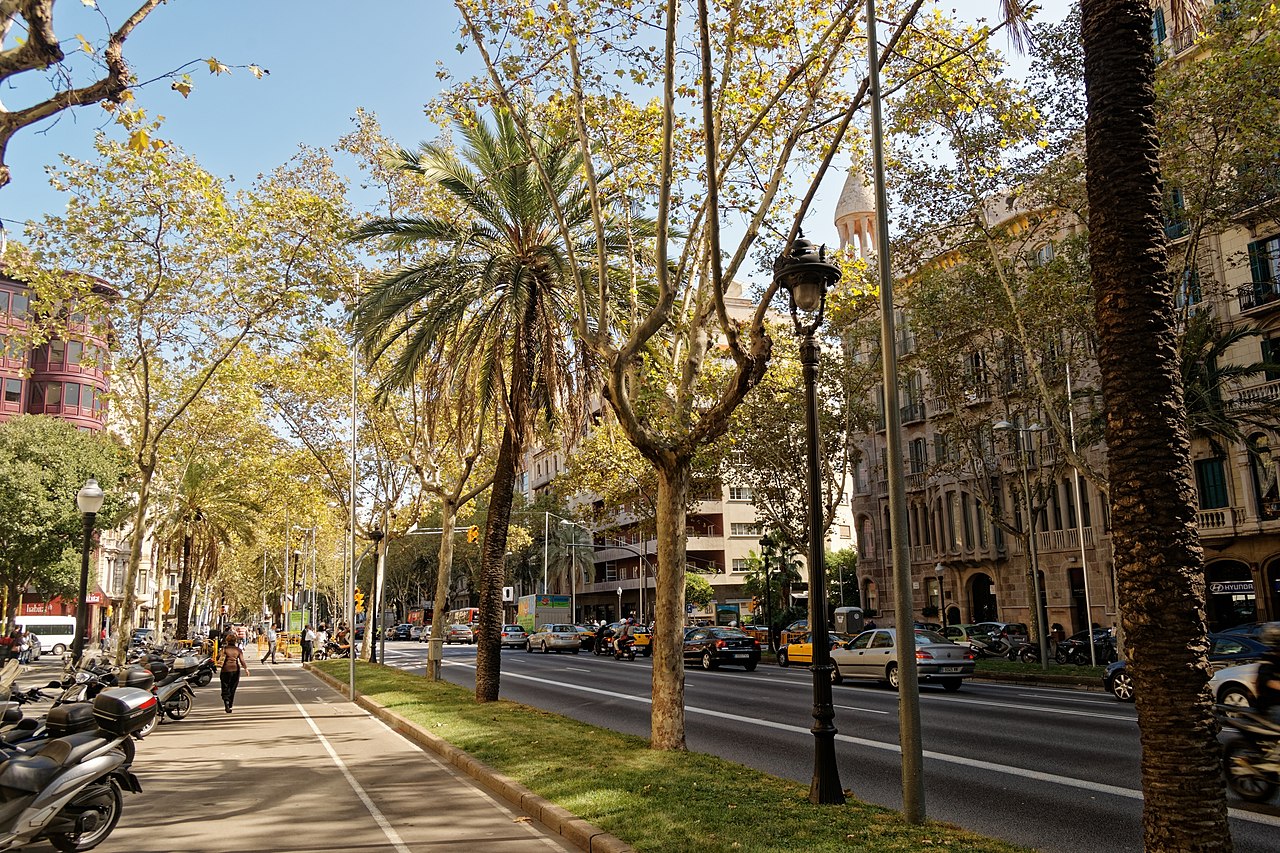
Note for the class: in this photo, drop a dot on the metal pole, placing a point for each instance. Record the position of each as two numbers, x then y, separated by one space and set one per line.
284 583
546 521
351 497
1084 561
82 603
1037 615
913 807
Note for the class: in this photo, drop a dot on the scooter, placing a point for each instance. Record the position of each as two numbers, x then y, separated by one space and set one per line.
1251 758
172 689
68 791
624 648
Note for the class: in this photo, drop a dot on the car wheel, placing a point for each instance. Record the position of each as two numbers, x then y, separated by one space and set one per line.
836 677
782 658
891 675
750 667
1122 686
544 647
1235 696
528 648
58 650
708 662
951 685
575 651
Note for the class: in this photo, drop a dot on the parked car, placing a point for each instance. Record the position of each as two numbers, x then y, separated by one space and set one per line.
554 638
416 632
1235 685
966 635
800 649
513 636
800 626
927 626
1227 650
399 632
459 634
873 654
587 636
1015 632
715 647
1249 629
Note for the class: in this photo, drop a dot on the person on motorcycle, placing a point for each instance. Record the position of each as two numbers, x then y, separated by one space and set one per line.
603 633
624 637
1269 687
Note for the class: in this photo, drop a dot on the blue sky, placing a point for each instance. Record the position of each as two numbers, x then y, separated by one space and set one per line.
326 59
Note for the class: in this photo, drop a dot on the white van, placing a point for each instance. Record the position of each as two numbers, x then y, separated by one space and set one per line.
55 633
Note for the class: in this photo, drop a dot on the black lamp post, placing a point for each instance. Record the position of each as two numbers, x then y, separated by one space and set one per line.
805 272
89 500
766 551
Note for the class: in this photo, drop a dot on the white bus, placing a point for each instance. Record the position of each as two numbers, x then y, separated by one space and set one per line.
55 633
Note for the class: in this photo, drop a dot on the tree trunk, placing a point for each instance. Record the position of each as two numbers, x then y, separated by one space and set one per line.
182 613
667 724
122 629
1159 564
493 569
448 516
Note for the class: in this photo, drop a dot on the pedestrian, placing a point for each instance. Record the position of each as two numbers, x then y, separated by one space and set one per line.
1056 635
308 641
271 643
22 642
230 666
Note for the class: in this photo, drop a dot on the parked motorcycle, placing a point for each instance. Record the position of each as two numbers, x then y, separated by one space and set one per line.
1077 652
68 791
993 647
1251 757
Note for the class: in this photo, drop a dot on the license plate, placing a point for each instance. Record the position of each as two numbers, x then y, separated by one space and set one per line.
738 655
951 669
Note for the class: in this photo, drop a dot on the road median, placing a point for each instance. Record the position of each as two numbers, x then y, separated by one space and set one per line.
607 791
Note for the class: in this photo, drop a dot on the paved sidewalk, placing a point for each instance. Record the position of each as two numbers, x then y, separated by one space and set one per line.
296 767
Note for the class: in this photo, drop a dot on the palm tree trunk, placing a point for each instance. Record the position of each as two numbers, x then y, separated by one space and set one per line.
667 724
182 613
493 568
1159 564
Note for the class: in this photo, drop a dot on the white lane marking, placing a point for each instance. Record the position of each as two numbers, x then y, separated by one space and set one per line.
378 818
468 782
865 710
1110 703
576 669
1049 778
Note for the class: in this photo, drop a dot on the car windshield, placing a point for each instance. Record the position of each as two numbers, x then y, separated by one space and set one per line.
725 633
560 629
928 637
510 628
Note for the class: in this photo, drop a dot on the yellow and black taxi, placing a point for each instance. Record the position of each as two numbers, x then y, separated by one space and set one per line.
800 649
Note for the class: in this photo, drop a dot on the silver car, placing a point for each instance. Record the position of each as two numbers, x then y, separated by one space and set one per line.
873 654
1235 685
554 638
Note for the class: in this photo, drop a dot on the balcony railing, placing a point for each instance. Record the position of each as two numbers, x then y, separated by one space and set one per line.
1258 394
1226 518
1258 294
915 482
913 412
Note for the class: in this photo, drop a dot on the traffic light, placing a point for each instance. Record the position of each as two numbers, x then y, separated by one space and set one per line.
359 601
473 534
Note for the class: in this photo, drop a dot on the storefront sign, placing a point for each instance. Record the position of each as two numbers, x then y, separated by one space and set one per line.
1231 587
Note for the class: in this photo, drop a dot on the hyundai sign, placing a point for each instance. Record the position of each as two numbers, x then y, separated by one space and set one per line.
1231 587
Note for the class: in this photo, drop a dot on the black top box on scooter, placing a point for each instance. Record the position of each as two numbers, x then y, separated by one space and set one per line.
159 670
124 710
70 718
140 678
11 713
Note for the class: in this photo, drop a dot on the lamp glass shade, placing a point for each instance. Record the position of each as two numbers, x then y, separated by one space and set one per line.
807 295
90 497
1002 425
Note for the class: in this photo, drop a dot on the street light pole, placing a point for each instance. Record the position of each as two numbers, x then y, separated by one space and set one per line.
89 500
805 272
766 551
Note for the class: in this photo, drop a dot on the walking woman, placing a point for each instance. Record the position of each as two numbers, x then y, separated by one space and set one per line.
231 665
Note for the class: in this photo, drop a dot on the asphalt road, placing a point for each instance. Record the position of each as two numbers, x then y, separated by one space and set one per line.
1048 768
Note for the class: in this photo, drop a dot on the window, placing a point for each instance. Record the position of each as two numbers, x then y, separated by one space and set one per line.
1271 357
57 353
52 393
1044 255
1264 267
742 528
846 532
740 565
1158 31
13 390
739 493
1054 507
1189 292
1175 214
1211 483
965 501
70 394
4 302
18 305
74 351
918 452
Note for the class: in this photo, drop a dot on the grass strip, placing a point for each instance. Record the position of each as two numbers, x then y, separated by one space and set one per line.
1017 666
659 802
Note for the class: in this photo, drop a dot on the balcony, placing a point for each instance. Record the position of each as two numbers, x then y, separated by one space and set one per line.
1265 393
912 412
916 482
1257 294
1226 519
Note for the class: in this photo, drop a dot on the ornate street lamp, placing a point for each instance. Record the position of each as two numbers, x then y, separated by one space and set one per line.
805 272
766 551
89 500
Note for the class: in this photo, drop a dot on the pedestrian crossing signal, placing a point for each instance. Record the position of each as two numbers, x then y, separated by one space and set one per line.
473 534
359 601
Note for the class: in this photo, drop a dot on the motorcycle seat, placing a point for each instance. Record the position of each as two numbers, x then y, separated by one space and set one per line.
29 773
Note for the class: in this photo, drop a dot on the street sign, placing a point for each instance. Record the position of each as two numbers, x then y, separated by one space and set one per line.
688 608
508 593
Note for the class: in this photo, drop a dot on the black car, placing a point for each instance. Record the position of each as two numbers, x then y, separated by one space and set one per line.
1227 650
714 647
400 632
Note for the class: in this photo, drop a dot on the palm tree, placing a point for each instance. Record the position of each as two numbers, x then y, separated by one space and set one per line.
1159 564
494 299
207 511
1215 412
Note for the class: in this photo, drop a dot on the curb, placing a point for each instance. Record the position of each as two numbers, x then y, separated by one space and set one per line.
556 819
1090 684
